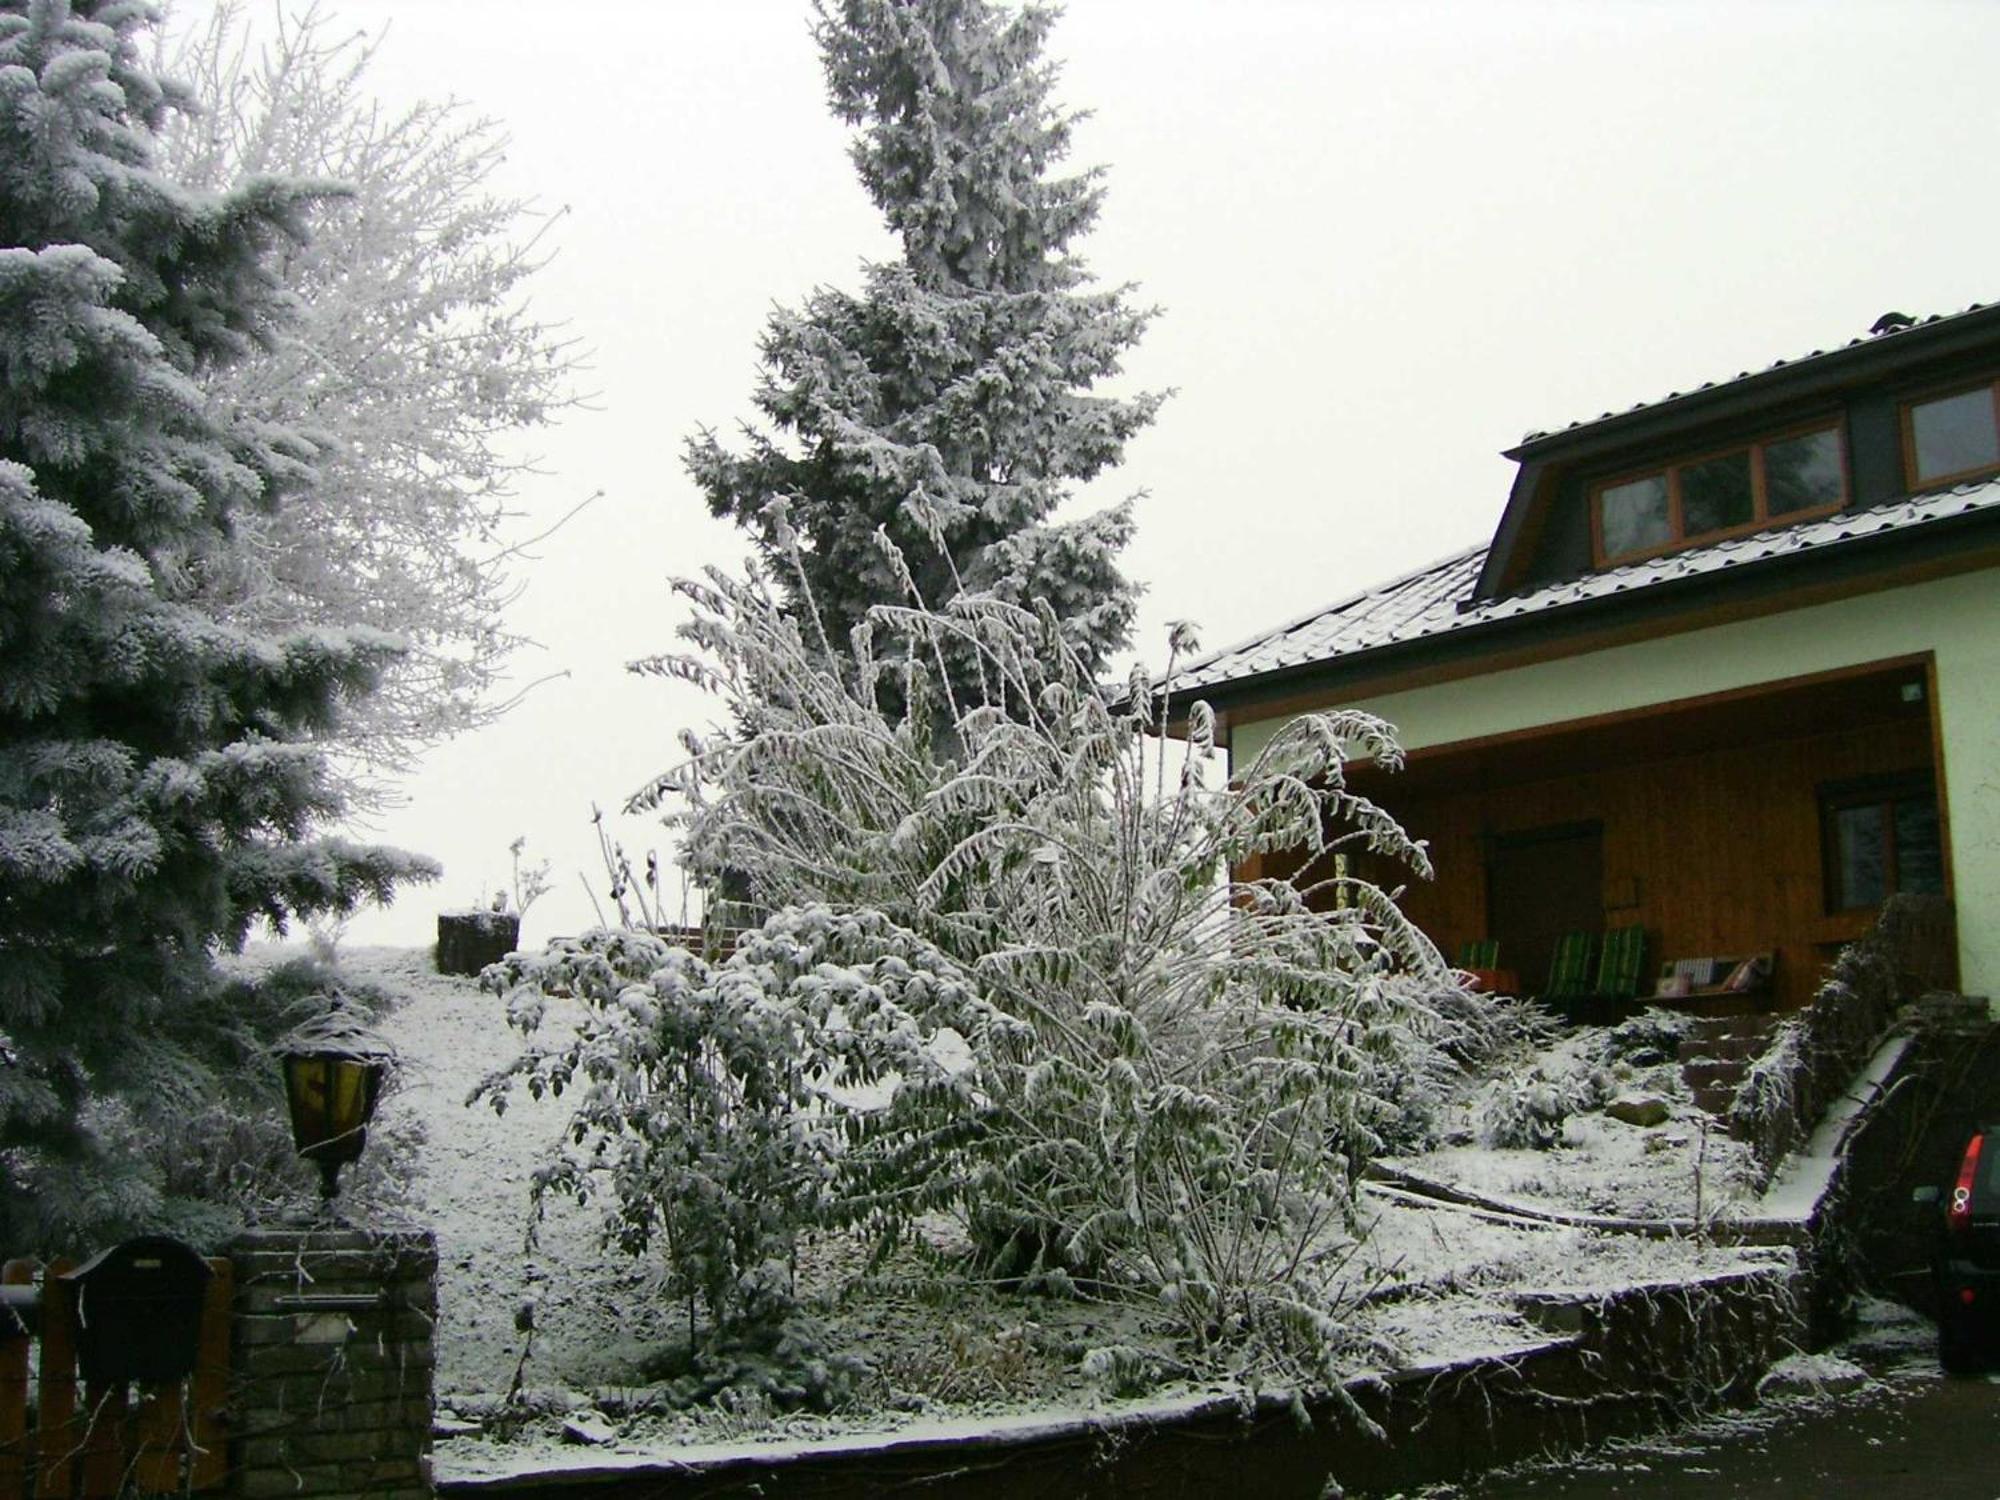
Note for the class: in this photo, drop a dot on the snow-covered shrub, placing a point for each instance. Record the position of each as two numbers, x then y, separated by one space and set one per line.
787 1364
1424 1069
1815 1052
1165 1082
1648 1039
724 1108
1527 1110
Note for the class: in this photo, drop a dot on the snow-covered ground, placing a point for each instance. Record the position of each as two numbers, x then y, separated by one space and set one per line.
1431 1281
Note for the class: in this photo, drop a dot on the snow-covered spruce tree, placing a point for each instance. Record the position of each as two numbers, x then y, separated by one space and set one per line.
414 364
156 793
1011 980
953 400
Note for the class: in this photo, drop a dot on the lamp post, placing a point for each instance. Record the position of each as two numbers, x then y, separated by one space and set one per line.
334 1071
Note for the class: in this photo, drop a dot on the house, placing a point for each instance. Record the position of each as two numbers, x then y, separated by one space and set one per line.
1728 670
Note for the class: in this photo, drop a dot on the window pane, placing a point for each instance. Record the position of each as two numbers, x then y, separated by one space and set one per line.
1802 473
1955 434
1919 859
1715 494
1634 515
1857 871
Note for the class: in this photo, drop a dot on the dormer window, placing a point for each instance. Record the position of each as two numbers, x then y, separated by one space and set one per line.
1702 499
1951 437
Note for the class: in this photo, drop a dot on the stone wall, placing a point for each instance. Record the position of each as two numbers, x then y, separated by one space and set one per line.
1947 1086
331 1363
1613 1364
1816 1052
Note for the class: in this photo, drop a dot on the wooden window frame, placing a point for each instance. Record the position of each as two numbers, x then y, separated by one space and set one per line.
1760 520
1883 791
1907 414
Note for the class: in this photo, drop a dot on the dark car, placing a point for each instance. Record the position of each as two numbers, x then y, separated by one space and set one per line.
1966 1263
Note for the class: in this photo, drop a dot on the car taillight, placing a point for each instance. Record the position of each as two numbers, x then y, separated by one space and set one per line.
1960 1213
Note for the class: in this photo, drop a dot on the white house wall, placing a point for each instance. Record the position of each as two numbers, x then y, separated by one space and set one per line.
1957 619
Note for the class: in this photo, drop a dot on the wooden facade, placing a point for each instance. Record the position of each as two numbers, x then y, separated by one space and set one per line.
1703 821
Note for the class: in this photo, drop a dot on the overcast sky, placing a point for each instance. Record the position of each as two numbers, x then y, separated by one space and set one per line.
1387 239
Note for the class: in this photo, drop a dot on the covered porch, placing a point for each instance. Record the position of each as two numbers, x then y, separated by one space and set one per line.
1772 819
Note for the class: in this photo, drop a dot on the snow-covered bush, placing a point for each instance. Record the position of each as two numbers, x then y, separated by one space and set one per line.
1527 1110
1013 919
1650 1038
806 1082
1468 1034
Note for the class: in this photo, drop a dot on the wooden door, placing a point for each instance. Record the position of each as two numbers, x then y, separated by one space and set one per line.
1540 884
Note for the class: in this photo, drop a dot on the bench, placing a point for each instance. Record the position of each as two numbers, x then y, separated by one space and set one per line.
1714 975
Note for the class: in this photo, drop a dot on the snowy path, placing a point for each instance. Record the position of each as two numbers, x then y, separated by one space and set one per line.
475 1172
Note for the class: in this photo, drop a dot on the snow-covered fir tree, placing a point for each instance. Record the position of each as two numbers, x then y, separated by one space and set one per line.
158 791
954 401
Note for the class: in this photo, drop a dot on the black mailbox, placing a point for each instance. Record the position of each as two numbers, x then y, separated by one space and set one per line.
138 1311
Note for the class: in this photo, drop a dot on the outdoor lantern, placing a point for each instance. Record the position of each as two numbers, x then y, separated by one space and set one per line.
334 1072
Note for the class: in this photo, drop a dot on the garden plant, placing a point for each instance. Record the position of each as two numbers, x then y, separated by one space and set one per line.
1005 976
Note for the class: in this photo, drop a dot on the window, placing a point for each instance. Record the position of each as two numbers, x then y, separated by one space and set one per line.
1719 494
1880 837
1953 436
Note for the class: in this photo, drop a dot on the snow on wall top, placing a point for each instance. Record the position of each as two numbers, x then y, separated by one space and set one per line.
1537 434
1434 601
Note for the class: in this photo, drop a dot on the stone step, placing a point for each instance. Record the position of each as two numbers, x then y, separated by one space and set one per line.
1743 1046
1713 1073
1744 1023
1716 1053
1716 1100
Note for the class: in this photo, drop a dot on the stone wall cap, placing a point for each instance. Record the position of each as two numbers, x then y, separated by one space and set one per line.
334 1239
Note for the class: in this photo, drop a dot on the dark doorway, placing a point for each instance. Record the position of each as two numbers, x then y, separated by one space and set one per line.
1540 884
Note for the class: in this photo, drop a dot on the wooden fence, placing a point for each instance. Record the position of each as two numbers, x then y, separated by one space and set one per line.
93 1444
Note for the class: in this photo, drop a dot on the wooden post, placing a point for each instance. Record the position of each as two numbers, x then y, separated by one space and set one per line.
56 1436
104 1442
470 940
14 1392
208 1394
156 1439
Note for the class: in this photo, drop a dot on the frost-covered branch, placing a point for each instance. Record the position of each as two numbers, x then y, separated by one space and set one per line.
414 365
1160 1084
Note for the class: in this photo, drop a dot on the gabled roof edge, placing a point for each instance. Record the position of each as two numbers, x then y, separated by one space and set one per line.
1935 536
1373 592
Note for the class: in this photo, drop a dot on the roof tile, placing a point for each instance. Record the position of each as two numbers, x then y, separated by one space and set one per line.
1537 434
1436 600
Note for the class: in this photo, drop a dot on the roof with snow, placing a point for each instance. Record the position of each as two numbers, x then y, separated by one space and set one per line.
1437 602
1894 327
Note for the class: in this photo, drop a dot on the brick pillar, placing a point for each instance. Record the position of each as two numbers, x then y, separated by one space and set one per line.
331 1363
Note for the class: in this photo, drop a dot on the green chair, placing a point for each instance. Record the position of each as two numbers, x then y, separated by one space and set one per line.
1483 953
1621 962
1569 968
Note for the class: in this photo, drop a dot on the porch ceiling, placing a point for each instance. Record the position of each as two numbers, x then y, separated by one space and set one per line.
1774 712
